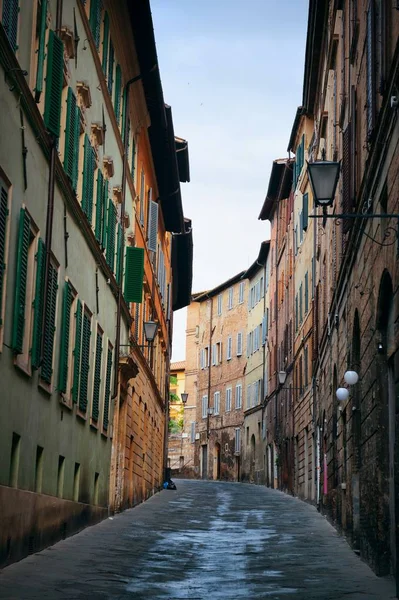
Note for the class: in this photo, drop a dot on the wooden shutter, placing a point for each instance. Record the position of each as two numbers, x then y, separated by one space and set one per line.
153 227
107 389
111 56
97 378
20 282
119 255
85 363
49 326
54 78
95 20
72 130
111 230
65 328
346 178
105 43
117 97
77 351
103 242
3 231
134 272
38 304
99 207
10 21
88 179
41 51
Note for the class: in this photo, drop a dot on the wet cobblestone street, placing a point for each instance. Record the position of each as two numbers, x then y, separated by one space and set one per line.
207 540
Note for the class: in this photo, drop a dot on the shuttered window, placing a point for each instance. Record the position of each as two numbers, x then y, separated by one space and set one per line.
97 377
111 57
38 304
118 273
49 325
77 351
54 78
300 303
153 226
88 179
305 211
85 362
111 231
3 232
65 335
100 207
95 20
103 242
117 97
134 272
24 235
41 49
72 134
107 392
306 292
239 343
10 21
104 62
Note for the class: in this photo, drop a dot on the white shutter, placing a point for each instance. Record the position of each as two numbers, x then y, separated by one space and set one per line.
153 226
248 396
192 437
202 358
239 343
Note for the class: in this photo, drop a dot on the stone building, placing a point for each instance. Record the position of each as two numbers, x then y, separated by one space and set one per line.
76 278
178 444
253 445
215 375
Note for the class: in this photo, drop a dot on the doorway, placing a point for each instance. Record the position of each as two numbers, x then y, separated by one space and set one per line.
204 462
216 465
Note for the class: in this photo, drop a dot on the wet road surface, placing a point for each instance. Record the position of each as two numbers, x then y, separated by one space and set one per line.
207 540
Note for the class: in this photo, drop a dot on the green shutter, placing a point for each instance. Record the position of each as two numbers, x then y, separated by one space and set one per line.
105 43
111 227
305 211
65 328
85 363
107 389
10 21
119 254
97 377
3 231
38 304
95 20
104 217
49 325
54 78
20 282
134 273
99 207
70 135
41 50
77 351
117 98
111 67
76 150
88 179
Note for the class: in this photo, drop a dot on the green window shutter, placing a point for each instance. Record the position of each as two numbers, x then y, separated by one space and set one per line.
20 282
76 150
71 130
65 328
85 363
38 304
3 231
105 43
95 20
107 389
49 326
111 57
134 273
10 21
54 77
104 217
88 179
118 254
111 227
41 50
97 378
99 207
305 211
77 351
117 97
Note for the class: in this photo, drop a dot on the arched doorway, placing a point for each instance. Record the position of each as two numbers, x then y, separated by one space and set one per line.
252 459
216 461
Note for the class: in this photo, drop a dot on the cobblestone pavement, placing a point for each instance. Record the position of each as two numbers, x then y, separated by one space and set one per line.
207 540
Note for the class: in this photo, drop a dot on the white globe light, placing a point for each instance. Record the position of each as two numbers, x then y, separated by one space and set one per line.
342 394
351 377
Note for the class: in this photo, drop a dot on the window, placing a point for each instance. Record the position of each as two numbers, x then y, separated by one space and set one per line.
72 138
238 396
230 300
84 361
248 403
237 441
220 301
204 407
117 93
214 356
54 83
111 235
192 432
228 399
306 366
134 271
111 58
262 287
202 358
264 330
95 20
305 211
107 392
216 403
306 292
218 353
206 356
10 21
255 392
239 343
301 303
68 335
241 292
4 210
153 223
101 209
296 313
95 409
229 347
89 167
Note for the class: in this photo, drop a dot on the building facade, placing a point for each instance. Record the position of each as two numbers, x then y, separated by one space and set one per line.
74 267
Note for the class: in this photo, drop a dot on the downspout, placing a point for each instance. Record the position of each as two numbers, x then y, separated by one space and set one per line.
50 213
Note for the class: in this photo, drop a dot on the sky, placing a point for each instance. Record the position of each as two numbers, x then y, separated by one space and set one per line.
232 70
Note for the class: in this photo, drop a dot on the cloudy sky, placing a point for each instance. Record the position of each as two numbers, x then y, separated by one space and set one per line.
232 70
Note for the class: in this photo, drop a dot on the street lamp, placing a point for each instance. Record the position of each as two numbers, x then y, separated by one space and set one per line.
184 397
323 177
351 378
282 376
150 330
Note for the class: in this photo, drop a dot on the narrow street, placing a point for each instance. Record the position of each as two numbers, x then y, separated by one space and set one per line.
207 540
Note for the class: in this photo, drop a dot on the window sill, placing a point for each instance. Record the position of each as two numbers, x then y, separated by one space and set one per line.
81 414
104 433
93 424
46 387
23 367
66 401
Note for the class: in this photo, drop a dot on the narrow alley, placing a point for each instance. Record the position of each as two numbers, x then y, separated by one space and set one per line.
208 540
